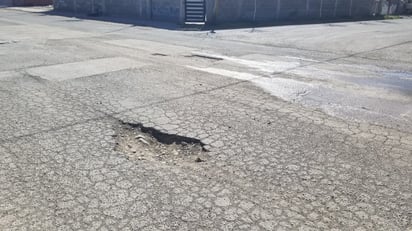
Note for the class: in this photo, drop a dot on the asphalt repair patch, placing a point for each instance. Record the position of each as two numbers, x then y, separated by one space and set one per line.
140 143
68 71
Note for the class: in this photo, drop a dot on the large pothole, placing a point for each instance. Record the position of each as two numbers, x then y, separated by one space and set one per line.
142 143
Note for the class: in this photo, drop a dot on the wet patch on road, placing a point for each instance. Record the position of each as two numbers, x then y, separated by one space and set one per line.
140 143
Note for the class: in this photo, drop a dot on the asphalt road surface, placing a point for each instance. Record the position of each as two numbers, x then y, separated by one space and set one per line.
111 126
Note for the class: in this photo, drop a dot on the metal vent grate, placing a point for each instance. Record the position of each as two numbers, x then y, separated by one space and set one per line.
195 11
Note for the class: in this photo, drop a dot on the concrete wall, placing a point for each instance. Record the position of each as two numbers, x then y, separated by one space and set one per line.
226 11
5 3
32 2
162 10
25 2
166 10
270 10
392 7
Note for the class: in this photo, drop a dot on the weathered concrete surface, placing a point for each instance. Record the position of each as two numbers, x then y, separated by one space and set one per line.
261 101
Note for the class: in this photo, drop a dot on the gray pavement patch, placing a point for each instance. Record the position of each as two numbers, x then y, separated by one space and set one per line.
340 89
67 71
35 32
286 89
146 143
7 74
7 23
280 64
149 46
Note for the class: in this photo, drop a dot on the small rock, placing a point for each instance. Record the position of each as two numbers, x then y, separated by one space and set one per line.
222 201
198 160
144 141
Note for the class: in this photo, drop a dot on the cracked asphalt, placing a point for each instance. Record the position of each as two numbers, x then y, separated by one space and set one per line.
307 127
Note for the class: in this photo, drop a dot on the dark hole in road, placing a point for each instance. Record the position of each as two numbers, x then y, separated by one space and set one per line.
165 138
146 143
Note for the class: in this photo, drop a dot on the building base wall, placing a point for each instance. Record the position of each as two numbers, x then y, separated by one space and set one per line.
229 11
25 2
32 2
4 3
162 10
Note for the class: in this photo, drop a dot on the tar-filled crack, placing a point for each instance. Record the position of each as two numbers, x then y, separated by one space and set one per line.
146 143
205 57
3 42
159 54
